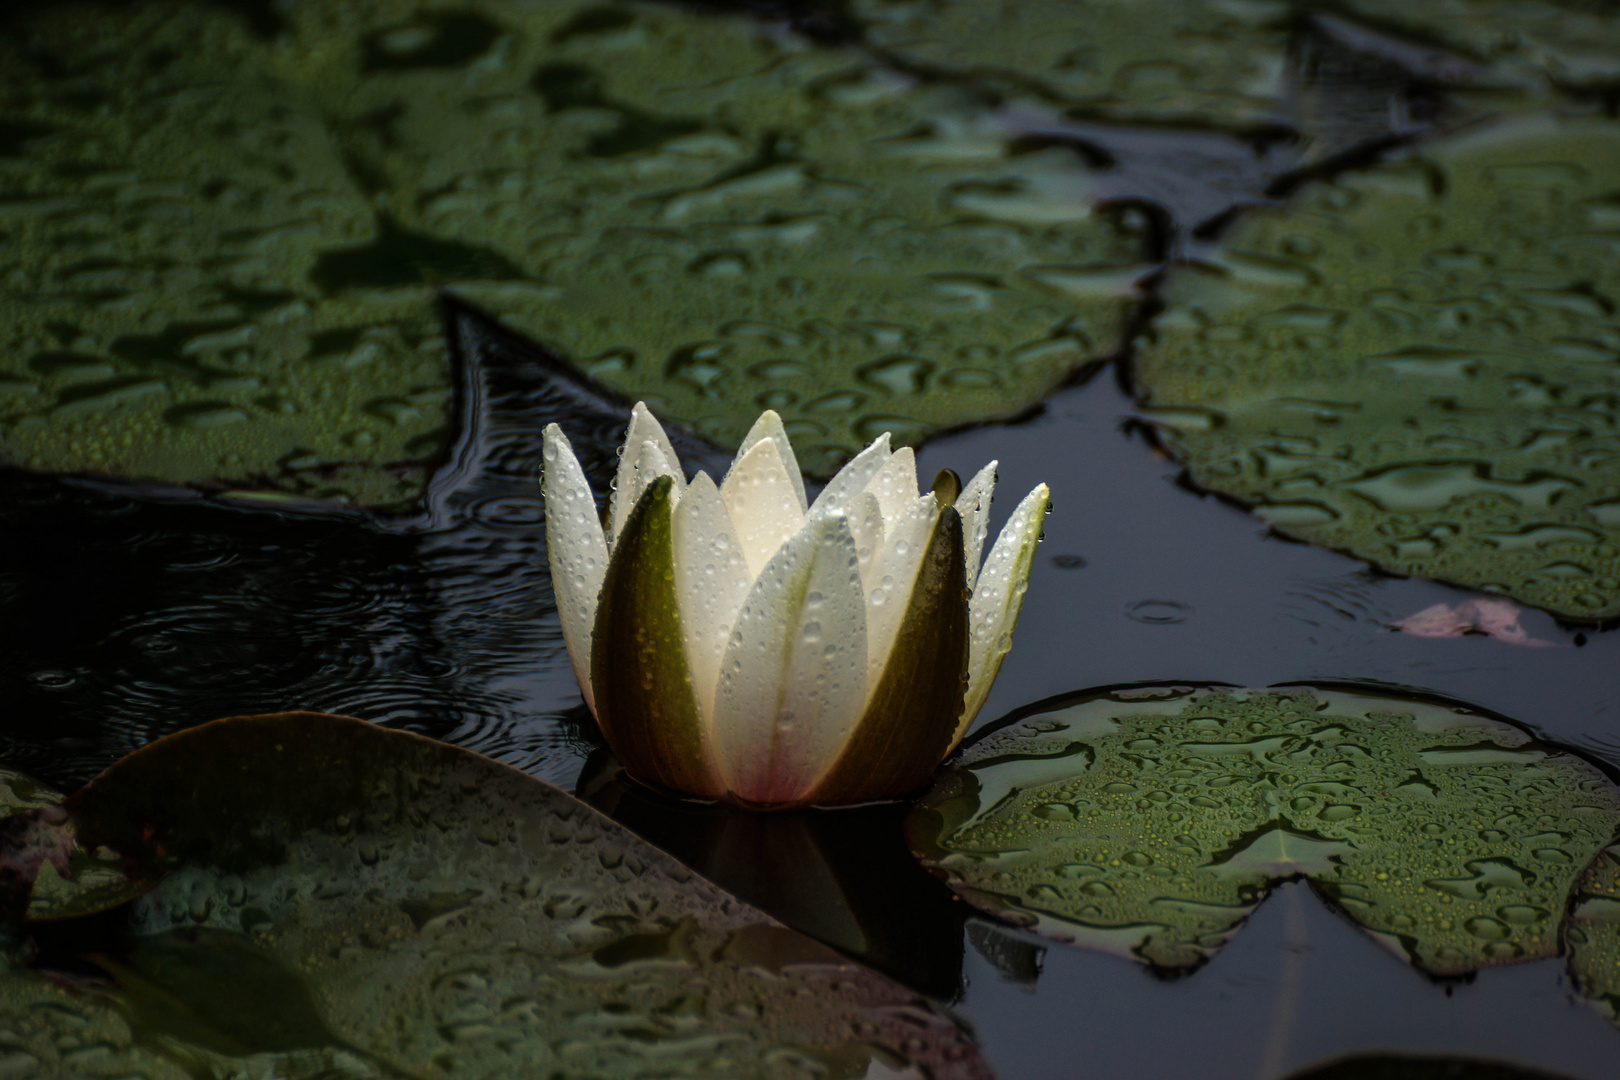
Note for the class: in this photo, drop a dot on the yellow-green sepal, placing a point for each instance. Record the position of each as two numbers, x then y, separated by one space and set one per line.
645 701
911 716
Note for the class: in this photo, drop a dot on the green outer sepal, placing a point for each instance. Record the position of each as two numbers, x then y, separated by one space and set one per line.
645 702
911 716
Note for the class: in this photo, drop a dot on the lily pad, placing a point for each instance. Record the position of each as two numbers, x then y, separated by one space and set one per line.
1593 934
165 202
1573 44
1151 822
340 892
54 1034
1419 363
719 218
1204 60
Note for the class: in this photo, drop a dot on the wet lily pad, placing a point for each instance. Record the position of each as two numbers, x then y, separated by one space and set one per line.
1593 934
1205 61
1151 822
340 893
54 1034
1419 364
165 202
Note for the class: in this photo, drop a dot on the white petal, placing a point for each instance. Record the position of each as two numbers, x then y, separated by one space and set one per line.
894 573
793 681
649 465
764 510
997 599
644 428
895 484
711 581
974 506
769 426
852 479
576 549
866 522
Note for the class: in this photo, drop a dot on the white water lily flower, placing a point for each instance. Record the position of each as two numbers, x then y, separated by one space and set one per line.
739 643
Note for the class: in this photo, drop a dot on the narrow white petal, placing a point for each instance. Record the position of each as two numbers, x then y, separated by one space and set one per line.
649 465
769 426
895 484
576 550
998 598
974 506
644 428
711 581
793 681
866 522
894 573
852 479
764 510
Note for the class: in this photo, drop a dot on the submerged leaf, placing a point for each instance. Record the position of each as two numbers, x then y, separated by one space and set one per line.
428 910
1420 364
1151 822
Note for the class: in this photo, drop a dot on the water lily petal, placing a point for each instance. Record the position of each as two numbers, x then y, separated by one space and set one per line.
645 702
644 428
759 495
893 575
909 721
895 484
866 523
852 479
711 581
974 506
998 598
576 550
769 426
650 464
793 681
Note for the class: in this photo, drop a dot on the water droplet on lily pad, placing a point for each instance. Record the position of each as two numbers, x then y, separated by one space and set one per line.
1404 813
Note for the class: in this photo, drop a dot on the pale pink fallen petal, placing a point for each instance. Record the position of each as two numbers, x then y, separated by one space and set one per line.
1495 618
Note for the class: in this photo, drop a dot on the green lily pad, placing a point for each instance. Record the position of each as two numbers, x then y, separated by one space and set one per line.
1151 822
1203 60
718 218
1593 934
338 892
165 201
55 1034
1419 364
1574 44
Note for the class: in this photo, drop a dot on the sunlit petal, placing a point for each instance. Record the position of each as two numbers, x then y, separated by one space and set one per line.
895 484
764 508
644 428
711 581
576 550
894 573
998 598
866 522
974 506
852 479
769 426
793 681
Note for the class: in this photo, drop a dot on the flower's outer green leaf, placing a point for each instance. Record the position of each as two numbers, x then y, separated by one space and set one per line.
1419 363
448 915
162 315
645 701
1204 61
1150 822
53 1034
1593 934
911 712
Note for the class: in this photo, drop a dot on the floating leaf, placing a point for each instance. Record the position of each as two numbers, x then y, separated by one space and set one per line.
53 1034
165 208
1151 822
1203 60
1419 363
427 910
719 219
1593 934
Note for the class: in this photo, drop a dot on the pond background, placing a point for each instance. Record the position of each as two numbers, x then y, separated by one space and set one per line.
132 608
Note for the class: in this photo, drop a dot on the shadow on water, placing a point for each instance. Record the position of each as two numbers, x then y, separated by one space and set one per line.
128 611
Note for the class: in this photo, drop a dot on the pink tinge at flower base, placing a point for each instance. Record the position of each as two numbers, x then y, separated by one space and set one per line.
737 642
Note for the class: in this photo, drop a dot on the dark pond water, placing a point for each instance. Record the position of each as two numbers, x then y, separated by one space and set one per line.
131 610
